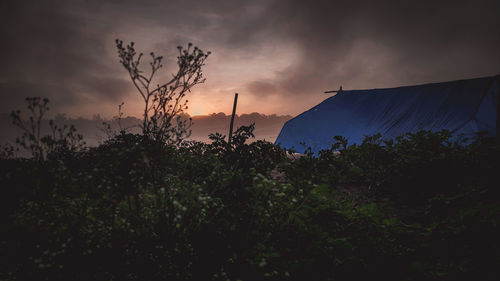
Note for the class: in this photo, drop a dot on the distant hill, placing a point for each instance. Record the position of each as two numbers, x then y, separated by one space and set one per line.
266 126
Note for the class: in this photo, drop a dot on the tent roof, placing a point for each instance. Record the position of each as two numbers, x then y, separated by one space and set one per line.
463 107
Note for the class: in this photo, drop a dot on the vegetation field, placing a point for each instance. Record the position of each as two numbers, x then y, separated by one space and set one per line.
420 207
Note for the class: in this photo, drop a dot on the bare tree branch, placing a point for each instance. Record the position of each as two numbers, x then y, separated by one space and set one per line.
164 102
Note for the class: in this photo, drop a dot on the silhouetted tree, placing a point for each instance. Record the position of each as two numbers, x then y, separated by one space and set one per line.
164 103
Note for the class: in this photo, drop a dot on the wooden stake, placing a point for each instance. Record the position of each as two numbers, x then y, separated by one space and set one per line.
232 119
498 111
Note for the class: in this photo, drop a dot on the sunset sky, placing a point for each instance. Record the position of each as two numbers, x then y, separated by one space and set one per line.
280 56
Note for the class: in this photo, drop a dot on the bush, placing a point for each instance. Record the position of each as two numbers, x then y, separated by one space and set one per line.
418 208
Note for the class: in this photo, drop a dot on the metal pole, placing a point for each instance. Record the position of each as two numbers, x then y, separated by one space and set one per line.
232 119
338 91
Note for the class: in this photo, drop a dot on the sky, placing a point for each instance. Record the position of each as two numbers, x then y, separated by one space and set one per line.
280 56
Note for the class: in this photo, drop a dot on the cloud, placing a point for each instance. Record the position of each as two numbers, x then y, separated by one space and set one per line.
262 88
384 43
49 52
106 89
289 50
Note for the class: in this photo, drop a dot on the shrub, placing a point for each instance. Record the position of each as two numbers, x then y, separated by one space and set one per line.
132 209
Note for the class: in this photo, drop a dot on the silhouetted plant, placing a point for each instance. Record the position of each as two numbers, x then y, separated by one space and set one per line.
60 139
8 151
113 131
164 104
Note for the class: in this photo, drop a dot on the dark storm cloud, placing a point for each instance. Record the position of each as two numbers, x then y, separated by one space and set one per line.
262 88
384 43
64 49
107 89
58 49
49 52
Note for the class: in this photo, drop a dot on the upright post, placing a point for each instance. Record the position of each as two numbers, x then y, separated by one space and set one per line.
498 110
338 91
232 119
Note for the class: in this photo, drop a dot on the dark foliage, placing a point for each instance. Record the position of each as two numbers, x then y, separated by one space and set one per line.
61 139
417 208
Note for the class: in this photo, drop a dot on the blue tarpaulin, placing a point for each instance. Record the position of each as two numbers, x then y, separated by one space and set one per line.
463 107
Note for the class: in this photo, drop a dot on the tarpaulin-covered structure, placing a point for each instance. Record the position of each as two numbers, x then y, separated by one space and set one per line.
463 107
